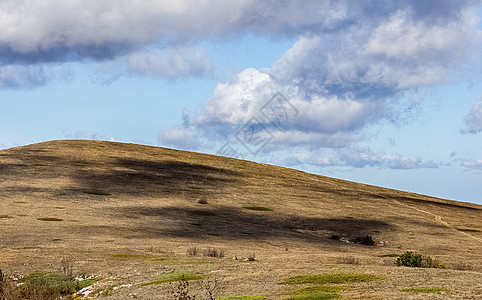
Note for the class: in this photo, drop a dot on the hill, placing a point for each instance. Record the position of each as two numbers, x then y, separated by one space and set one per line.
135 216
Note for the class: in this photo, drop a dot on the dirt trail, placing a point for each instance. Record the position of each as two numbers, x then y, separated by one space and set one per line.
439 220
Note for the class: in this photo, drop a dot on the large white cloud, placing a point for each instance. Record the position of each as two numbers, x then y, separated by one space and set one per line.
341 78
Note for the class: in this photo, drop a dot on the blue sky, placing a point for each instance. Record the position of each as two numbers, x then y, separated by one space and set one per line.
381 92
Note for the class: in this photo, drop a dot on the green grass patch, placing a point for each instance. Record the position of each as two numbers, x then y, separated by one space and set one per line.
53 284
98 193
5 217
73 220
124 255
258 208
109 241
315 296
59 207
201 213
327 278
22 215
425 290
389 255
21 202
50 219
316 289
174 277
243 298
468 230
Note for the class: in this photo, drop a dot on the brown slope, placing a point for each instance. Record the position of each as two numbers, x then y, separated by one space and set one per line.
135 197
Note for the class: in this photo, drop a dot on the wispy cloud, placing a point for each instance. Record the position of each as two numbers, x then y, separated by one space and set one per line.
171 64
473 119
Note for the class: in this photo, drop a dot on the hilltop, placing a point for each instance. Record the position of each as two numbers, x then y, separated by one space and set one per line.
130 214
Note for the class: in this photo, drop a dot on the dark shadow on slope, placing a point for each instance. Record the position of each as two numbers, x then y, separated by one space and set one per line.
425 202
155 178
234 223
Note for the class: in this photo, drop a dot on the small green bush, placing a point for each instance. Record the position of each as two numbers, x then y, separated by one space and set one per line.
410 259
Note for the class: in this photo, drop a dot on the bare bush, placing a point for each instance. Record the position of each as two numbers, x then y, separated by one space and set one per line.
194 251
349 260
212 286
213 252
460 266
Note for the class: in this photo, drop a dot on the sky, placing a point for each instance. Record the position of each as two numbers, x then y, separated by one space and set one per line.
387 93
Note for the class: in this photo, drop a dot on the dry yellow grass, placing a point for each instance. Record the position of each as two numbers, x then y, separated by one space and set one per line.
129 214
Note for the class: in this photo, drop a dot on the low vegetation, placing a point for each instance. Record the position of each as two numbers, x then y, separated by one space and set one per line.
425 290
181 276
349 260
47 219
98 193
43 285
210 252
330 278
315 292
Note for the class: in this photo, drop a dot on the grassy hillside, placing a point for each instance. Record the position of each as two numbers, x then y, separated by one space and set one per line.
134 215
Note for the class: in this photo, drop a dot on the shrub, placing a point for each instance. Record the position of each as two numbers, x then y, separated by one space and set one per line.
193 251
213 252
428 262
182 292
252 257
350 260
364 240
410 259
460 266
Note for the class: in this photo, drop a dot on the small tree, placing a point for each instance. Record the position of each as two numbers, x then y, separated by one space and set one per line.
409 259
182 292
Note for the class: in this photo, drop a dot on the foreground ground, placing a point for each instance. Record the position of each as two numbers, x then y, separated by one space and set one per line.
134 215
